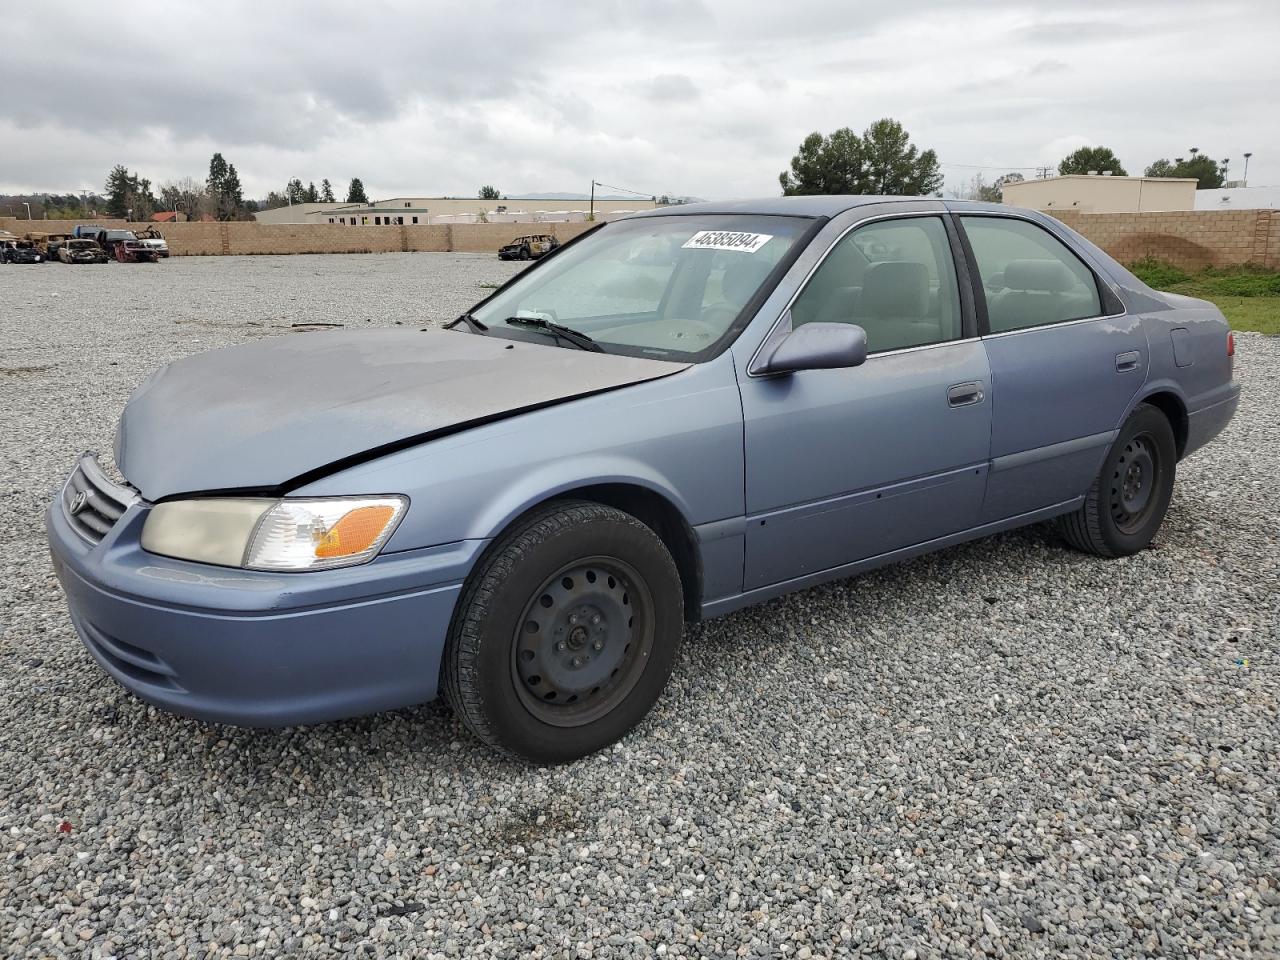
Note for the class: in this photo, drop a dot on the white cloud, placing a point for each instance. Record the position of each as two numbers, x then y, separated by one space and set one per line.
707 98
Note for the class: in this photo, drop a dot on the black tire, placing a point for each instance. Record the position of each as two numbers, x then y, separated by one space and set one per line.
1127 502
579 591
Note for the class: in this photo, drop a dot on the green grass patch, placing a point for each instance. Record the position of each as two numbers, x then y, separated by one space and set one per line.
1248 295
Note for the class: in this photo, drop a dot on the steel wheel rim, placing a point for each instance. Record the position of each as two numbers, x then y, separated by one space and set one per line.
1134 482
583 641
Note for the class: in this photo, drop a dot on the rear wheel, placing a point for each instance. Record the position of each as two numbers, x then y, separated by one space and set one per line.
565 634
1127 502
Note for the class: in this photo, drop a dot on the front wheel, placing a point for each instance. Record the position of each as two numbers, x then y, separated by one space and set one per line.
1126 504
565 634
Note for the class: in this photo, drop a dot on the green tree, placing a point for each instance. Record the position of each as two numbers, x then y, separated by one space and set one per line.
326 191
217 174
294 191
883 160
825 165
232 194
488 192
225 194
1208 175
312 195
129 195
1090 159
993 192
355 192
117 190
893 164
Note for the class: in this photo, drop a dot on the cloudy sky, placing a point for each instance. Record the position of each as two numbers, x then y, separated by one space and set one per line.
697 97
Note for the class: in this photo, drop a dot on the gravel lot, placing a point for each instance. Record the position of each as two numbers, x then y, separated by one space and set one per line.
1004 749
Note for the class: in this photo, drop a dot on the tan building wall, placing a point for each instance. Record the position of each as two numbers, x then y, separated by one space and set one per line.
1190 238
1089 194
431 207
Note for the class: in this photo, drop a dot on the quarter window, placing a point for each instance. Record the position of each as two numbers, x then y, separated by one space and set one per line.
895 279
1029 277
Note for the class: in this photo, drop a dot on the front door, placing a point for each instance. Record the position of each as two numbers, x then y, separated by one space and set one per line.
842 465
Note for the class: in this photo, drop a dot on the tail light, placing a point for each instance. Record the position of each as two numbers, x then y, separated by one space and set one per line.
1231 344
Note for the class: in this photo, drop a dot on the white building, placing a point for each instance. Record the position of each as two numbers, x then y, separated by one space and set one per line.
1239 198
435 210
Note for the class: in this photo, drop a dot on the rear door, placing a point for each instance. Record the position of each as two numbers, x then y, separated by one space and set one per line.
1066 361
843 465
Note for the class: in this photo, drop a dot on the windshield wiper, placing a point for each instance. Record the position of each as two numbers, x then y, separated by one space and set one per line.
568 334
470 321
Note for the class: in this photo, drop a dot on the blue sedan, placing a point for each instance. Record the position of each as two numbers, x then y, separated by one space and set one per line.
674 416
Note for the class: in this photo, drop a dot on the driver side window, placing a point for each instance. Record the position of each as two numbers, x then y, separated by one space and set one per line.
895 279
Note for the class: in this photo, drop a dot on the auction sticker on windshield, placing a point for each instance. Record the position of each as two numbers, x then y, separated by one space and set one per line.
727 240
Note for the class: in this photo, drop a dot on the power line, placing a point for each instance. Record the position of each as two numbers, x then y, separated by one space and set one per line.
638 193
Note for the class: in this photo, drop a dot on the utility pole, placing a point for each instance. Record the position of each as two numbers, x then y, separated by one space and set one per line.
592 215
1245 181
28 206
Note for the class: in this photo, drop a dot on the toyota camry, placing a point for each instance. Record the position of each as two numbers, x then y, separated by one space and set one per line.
671 417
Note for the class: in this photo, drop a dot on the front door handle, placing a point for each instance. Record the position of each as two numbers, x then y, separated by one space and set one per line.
1127 361
965 394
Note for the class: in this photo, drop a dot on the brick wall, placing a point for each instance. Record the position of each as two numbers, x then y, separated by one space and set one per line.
1190 238
244 237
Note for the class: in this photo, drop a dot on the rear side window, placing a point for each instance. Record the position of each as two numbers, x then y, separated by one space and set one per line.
893 278
1029 276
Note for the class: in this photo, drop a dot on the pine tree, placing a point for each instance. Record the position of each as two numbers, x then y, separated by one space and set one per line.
326 191
232 194
355 193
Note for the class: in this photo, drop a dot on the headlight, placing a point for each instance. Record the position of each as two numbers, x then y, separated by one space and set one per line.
290 534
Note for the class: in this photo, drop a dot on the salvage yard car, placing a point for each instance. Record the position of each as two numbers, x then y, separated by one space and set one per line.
20 251
523 510
108 239
153 239
135 251
83 250
528 248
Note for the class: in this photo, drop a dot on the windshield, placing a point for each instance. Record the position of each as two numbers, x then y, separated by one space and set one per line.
669 286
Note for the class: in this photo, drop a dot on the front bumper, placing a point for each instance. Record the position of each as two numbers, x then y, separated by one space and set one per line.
259 649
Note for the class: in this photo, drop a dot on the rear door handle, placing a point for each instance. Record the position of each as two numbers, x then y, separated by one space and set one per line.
965 394
1127 361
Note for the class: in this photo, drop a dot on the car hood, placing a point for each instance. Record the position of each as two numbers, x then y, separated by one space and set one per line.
263 415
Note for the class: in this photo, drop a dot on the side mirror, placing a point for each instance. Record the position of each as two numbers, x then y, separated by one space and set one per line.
818 346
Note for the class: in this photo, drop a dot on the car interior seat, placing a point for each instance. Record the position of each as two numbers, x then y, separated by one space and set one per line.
1036 292
894 306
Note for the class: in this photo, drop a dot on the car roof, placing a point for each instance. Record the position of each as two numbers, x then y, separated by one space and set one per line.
808 206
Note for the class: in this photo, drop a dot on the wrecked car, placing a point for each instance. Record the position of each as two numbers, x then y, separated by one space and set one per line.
528 248
154 240
109 239
21 251
523 510
82 250
135 251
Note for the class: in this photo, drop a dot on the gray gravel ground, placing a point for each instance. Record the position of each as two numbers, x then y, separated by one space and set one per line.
1005 749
